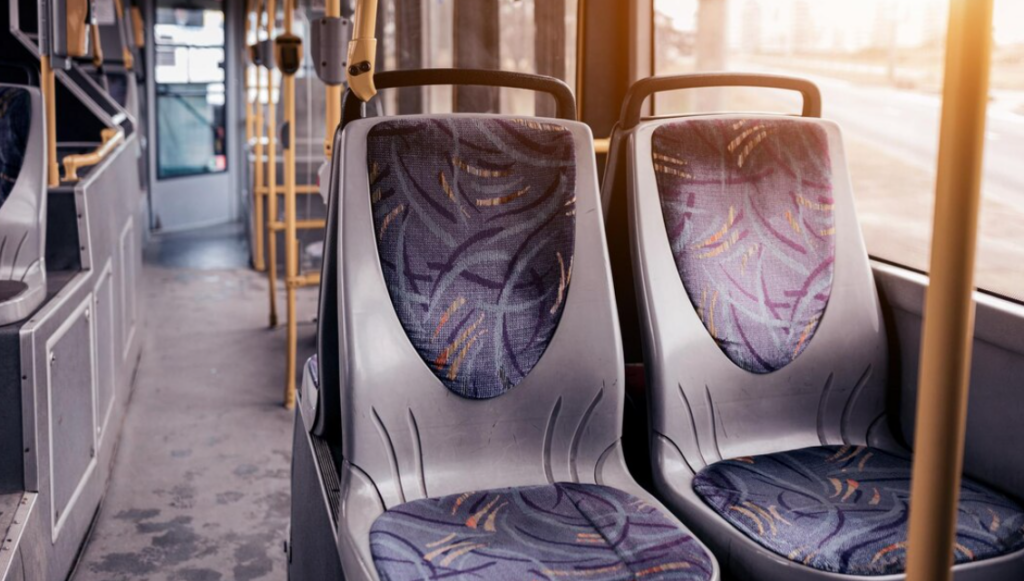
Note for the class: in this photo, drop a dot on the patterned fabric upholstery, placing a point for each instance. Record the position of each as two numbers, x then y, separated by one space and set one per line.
557 531
475 223
749 212
844 509
15 120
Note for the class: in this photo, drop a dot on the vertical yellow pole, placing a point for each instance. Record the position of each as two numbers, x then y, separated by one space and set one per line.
271 174
291 241
48 87
138 27
362 51
333 114
581 48
97 46
259 183
949 309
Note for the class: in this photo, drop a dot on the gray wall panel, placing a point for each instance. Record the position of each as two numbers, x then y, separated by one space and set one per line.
105 317
71 387
996 403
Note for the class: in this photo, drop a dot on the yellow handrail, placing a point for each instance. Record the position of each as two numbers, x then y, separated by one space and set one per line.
362 51
48 85
271 176
76 27
333 114
72 163
97 45
291 240
310 224
949 309
581 53
258 258
299 189
138 27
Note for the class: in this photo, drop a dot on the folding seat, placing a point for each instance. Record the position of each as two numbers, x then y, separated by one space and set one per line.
22 203
478 371
765 349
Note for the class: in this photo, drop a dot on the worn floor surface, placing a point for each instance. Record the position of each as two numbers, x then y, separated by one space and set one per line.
200 487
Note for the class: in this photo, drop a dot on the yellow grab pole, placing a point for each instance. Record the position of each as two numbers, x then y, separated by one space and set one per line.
77 12
97 46
138 27
333 113
291 241
48 86
581 52
259 182
949 308
271 174
362 51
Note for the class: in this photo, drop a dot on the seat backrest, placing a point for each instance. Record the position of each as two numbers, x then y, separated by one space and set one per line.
22 202
479 342
762 324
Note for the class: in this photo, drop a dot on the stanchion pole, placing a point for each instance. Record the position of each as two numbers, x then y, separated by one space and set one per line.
949 307
48 87
259 183
271 175
291 241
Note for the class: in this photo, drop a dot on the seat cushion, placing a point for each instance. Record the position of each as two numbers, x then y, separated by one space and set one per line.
558 531
844 509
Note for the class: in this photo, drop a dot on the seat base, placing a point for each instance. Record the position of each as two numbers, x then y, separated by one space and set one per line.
555 531
844 509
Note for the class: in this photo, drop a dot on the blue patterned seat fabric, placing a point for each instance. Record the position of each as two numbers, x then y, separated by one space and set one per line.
557 531
749 211
844 509
476 222
15 119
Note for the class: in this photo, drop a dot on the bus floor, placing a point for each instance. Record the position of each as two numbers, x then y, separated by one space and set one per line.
200 483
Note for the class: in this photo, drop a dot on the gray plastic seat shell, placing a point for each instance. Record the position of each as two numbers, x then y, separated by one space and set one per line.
23 223
703 408
405 436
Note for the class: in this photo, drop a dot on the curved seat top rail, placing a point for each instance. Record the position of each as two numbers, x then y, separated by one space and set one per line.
565 102
641 90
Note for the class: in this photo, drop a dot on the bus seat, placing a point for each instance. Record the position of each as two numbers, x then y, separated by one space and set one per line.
766 353
22 203
480 366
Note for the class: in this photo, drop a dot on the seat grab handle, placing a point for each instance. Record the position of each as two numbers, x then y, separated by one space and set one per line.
644 88
565 102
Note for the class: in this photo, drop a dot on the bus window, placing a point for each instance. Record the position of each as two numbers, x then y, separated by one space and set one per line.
190 90
529 36
879 65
